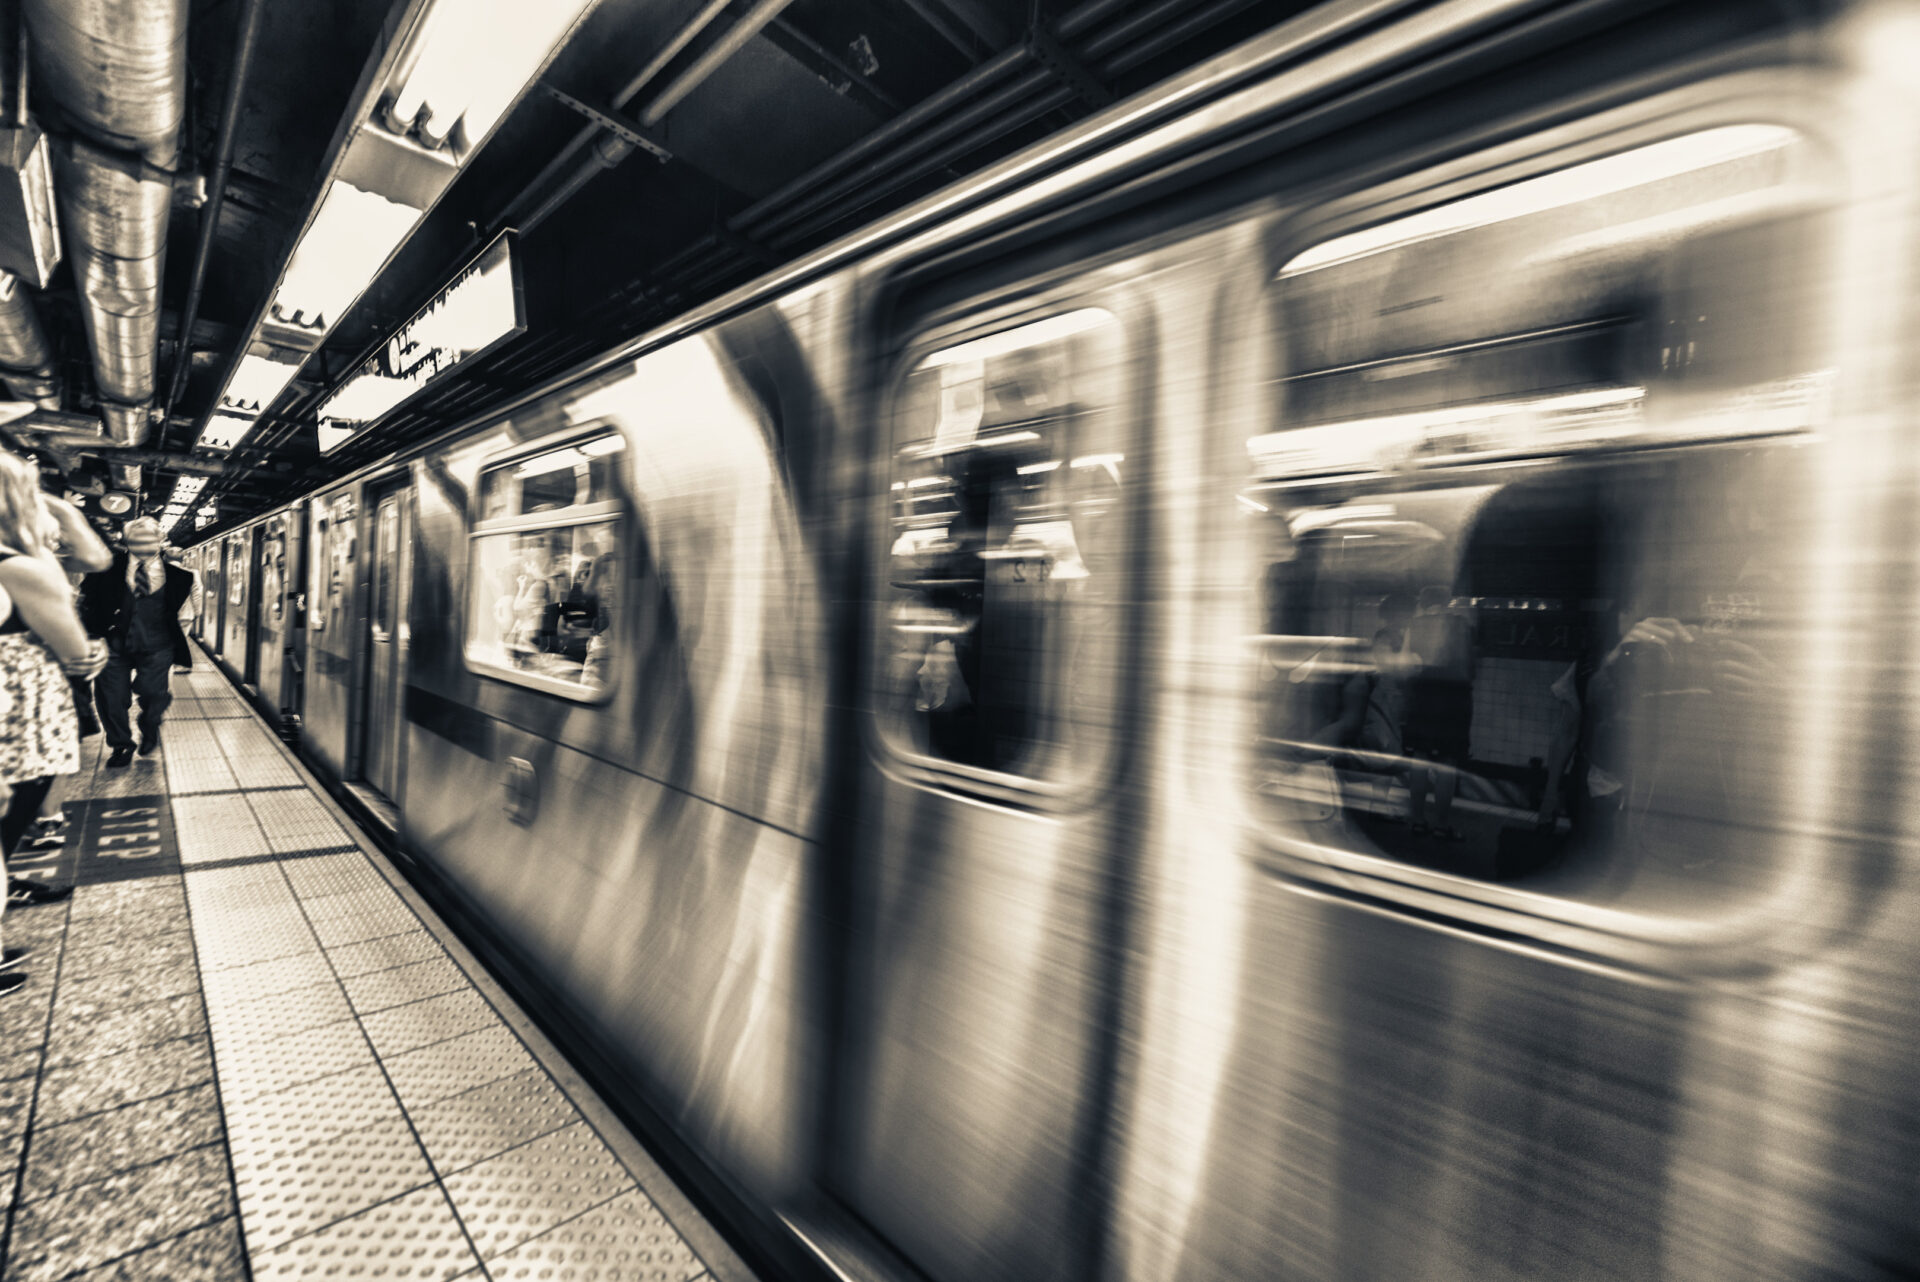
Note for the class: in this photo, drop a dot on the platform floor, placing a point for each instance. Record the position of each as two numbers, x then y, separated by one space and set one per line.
249 1049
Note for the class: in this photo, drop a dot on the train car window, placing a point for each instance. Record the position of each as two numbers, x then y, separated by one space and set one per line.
331 560
1005 561
318 558
237 579
546 568
273 571
385 538
1533 554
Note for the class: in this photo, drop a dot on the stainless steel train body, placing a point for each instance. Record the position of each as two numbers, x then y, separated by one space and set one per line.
892 718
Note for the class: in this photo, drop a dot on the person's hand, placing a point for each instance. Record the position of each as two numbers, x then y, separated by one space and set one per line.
75 540
1549 812
1739 668
89 667
1661 632
65 514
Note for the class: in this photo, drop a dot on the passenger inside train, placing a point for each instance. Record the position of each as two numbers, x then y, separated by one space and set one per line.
547 551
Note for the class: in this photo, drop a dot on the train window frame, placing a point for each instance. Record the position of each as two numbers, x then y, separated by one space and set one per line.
383 589
273 561
319 549
976 319
1799 902
616 512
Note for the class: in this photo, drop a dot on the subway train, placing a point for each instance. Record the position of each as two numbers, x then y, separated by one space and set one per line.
1312 678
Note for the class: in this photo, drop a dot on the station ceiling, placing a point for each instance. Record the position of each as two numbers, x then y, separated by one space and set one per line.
786 125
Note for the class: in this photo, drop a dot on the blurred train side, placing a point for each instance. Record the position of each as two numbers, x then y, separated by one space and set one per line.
1130 1028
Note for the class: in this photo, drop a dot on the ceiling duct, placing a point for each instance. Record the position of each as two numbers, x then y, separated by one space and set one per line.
116 71
26 359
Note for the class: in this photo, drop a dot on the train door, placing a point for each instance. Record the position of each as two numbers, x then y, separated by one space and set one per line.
383 727
254 544
216 596
233 640
995 810
269 654
294 574
196 566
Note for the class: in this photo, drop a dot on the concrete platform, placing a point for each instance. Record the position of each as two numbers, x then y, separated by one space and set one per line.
249 1049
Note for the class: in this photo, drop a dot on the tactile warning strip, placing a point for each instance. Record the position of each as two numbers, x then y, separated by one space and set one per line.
383 1120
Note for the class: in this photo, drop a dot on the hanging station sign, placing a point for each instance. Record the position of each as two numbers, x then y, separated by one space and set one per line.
480 307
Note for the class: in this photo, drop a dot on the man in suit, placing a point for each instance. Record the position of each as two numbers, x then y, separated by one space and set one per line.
138 604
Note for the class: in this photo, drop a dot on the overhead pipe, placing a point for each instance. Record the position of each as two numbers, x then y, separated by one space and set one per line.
709 62
816 200
782 203
243 45
74 445
778 220
26 358
608 150
116 71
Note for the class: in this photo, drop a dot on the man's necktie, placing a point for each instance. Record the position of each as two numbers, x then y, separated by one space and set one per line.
142 581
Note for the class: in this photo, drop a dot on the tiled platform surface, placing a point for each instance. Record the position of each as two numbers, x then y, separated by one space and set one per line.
246 1050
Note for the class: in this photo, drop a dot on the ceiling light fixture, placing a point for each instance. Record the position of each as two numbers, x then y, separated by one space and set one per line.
467 62
435 98
256 383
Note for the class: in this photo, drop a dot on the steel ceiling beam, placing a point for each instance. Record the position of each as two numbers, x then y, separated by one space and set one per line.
244 40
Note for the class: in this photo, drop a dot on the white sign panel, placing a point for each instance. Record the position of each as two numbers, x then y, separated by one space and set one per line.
480 307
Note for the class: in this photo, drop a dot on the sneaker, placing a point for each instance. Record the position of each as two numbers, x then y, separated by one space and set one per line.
120 757
11 983
24 892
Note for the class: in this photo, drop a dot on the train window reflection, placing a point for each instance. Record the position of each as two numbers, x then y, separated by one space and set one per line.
1580 673
1006 499
1533 558
545 568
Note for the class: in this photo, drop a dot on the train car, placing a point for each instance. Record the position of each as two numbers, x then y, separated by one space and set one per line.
1309 679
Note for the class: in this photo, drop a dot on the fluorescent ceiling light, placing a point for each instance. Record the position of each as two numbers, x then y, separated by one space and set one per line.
224 431
256 383
332 437
470 59
1640 167
351 238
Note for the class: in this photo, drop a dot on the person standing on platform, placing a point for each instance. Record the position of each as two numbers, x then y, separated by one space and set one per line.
41 644
138 604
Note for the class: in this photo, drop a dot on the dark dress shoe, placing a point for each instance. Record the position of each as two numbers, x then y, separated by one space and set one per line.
150 744
120 757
